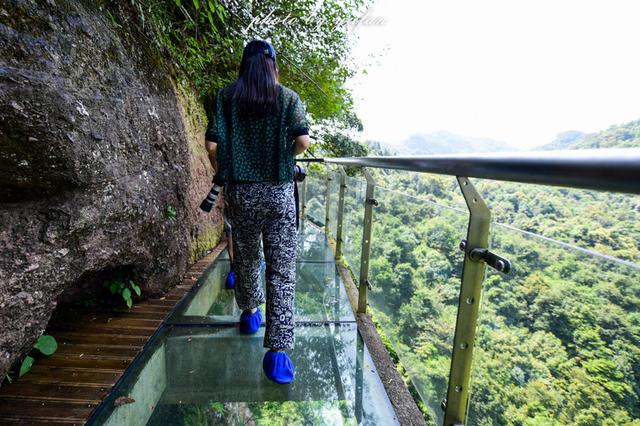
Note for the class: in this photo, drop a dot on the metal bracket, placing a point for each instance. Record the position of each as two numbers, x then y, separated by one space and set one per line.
340 216
327 201
367 283
366 242
457 400
372 201
498 263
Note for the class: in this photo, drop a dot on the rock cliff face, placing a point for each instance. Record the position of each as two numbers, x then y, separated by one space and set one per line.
102 165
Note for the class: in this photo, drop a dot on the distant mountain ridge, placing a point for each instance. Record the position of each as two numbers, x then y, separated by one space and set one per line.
617 136
444 142
625 135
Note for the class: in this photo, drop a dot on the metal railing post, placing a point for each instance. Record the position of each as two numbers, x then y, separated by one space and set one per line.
473 273
340 216
327 199
366 242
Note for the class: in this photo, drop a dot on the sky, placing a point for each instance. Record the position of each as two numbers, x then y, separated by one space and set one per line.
516 71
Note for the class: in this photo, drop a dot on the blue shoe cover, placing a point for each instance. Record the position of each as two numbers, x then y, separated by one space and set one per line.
231 280
278 367
250 323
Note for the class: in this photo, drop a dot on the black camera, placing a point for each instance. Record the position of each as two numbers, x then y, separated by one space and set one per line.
207 203
298 173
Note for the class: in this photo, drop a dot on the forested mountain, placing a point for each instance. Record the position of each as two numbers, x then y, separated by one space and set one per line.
625 135
564 140
558 337
617 136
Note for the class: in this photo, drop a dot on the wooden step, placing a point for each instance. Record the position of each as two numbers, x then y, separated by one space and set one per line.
48 391
101 339
97 350
135 330
37 410
70 376
77 361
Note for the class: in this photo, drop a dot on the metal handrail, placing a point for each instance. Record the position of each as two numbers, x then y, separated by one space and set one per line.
616 170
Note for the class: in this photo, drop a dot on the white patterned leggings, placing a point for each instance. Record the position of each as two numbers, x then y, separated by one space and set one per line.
267 209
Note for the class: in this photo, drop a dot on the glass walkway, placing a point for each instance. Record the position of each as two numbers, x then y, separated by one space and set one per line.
199 370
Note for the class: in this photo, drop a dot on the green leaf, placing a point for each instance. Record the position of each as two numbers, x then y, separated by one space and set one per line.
218 406
222 13
196 4
126 295
135 288
46 344
26 365
114 288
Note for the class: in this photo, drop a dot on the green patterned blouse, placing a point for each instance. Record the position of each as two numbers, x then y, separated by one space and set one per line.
258 149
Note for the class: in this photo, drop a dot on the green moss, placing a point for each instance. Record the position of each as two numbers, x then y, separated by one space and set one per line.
204 242
194 119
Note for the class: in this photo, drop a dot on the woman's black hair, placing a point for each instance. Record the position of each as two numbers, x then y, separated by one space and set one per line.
257 89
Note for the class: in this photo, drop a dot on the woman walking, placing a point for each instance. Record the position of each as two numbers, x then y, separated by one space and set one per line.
256 127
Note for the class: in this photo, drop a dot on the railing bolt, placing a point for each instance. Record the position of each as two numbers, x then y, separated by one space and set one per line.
463 245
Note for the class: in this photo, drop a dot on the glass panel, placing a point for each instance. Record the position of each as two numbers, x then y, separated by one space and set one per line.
320 295
559 337
415 272
312 244
315 196
212 375
354 199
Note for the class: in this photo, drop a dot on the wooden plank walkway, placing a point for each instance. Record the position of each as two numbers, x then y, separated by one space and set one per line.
94 349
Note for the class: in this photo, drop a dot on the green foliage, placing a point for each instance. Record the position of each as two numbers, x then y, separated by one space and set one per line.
218 407
124 289
46 345
205 39
618 136
171 214
338 144
558 338
625 135
27 362
341 145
